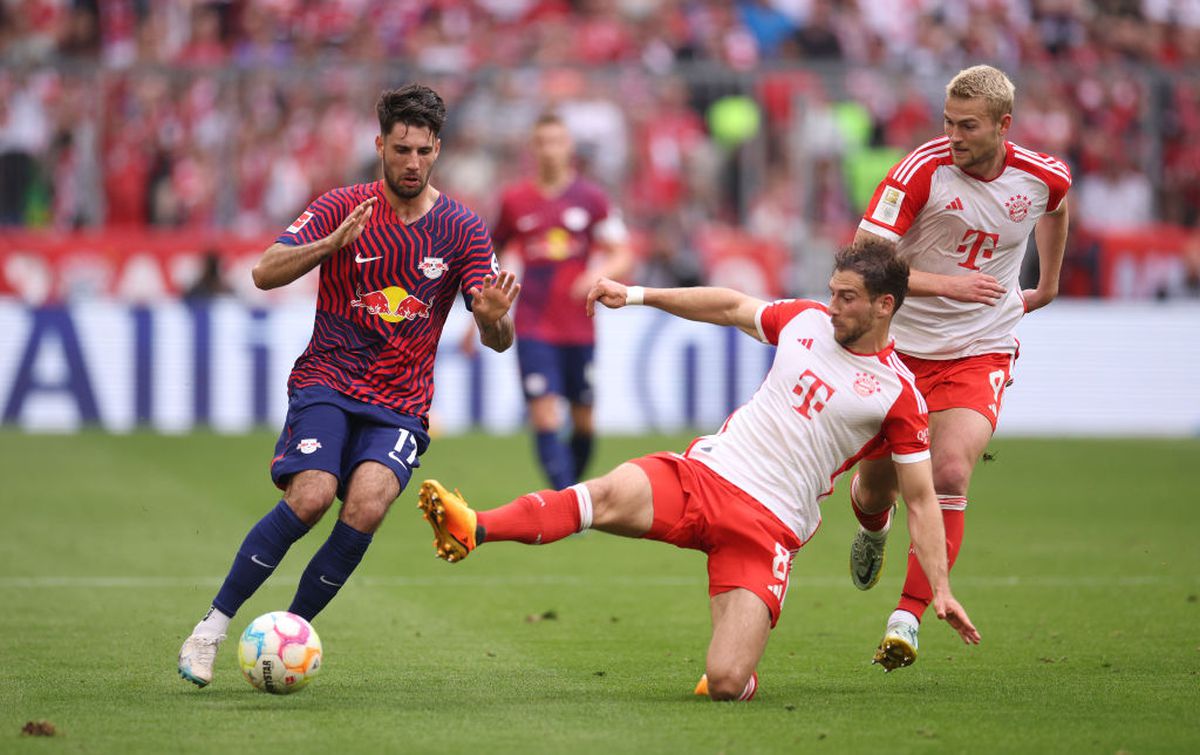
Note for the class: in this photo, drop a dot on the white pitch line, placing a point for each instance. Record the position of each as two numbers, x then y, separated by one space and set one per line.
799 581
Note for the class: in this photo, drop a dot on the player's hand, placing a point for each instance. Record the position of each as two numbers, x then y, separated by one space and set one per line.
979 288
608 292
352 227
492 299
951 611
1036 298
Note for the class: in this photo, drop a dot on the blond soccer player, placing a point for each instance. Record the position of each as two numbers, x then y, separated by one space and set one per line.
960 210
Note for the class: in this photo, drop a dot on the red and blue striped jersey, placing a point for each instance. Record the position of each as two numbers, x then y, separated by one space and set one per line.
382 300
554 237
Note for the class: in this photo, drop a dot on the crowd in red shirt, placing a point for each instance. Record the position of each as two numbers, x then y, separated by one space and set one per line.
232 115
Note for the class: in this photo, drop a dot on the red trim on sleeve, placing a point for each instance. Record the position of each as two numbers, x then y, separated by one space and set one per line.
1047 169
906 425
779 313
902 195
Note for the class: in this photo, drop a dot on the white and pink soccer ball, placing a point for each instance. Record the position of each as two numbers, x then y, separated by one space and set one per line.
279 653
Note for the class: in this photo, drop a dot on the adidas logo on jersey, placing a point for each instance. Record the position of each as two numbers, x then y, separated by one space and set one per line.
806 343
777 591
955 205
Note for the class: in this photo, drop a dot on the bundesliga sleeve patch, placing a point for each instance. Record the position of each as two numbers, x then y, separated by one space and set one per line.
887 210
300 222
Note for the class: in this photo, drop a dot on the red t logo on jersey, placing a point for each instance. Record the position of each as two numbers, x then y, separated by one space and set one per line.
807 388
977 248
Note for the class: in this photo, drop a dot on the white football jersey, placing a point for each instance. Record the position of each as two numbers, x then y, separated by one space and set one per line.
948 222
820 409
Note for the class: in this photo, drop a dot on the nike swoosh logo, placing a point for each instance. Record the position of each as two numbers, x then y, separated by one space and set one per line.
262 563
361 259
331 584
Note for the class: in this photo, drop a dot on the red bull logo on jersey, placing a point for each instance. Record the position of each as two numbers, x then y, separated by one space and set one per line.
392 304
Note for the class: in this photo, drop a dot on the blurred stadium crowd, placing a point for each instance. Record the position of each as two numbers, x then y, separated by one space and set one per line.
760 125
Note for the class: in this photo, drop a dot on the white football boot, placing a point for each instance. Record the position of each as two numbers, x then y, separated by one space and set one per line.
898 647
197 657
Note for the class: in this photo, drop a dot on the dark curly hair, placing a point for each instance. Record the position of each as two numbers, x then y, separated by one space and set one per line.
412 105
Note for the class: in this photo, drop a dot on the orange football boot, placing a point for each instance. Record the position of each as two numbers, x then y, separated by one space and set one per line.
453 521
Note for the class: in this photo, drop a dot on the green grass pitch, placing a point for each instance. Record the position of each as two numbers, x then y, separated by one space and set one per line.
1081 568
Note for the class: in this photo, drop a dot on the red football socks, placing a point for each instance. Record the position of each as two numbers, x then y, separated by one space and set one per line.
870 522
538 518
917 593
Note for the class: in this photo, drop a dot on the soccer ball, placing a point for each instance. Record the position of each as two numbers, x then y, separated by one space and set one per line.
279 653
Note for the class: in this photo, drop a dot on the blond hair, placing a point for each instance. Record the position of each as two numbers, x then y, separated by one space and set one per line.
987 83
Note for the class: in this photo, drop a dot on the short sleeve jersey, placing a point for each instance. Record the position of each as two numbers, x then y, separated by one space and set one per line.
382 300
946 221
555 238
820 409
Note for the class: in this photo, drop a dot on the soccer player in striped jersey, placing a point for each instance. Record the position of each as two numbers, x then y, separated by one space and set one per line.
960 210
392 255
749 495
566 235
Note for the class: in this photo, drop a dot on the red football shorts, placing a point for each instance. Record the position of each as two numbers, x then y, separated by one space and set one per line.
747 545
975 382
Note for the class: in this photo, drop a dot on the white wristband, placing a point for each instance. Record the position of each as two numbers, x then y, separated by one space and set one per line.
634 295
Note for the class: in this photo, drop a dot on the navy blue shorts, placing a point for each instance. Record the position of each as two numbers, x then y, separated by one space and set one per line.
548 369
334 433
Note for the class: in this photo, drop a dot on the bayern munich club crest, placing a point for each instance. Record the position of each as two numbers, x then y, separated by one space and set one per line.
865 384
433 267
1018 207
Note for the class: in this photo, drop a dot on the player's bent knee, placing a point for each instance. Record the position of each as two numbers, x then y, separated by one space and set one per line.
310 494
365 515
544 414
621 502
952 476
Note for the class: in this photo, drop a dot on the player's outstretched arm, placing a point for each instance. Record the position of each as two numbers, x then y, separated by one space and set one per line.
1051 236
719 306
928 536
490 303
281 263
972 287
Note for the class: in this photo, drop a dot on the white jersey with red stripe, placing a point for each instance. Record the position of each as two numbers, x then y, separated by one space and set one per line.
946 221
820 409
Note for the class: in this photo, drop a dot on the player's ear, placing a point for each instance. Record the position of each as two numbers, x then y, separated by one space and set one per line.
885 305
379 144
1005 123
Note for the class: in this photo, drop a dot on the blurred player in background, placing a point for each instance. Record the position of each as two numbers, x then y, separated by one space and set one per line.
749 496
392 254
959 210
567 235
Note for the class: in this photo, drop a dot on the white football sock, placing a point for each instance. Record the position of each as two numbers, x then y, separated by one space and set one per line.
904 617
214 624
584 497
